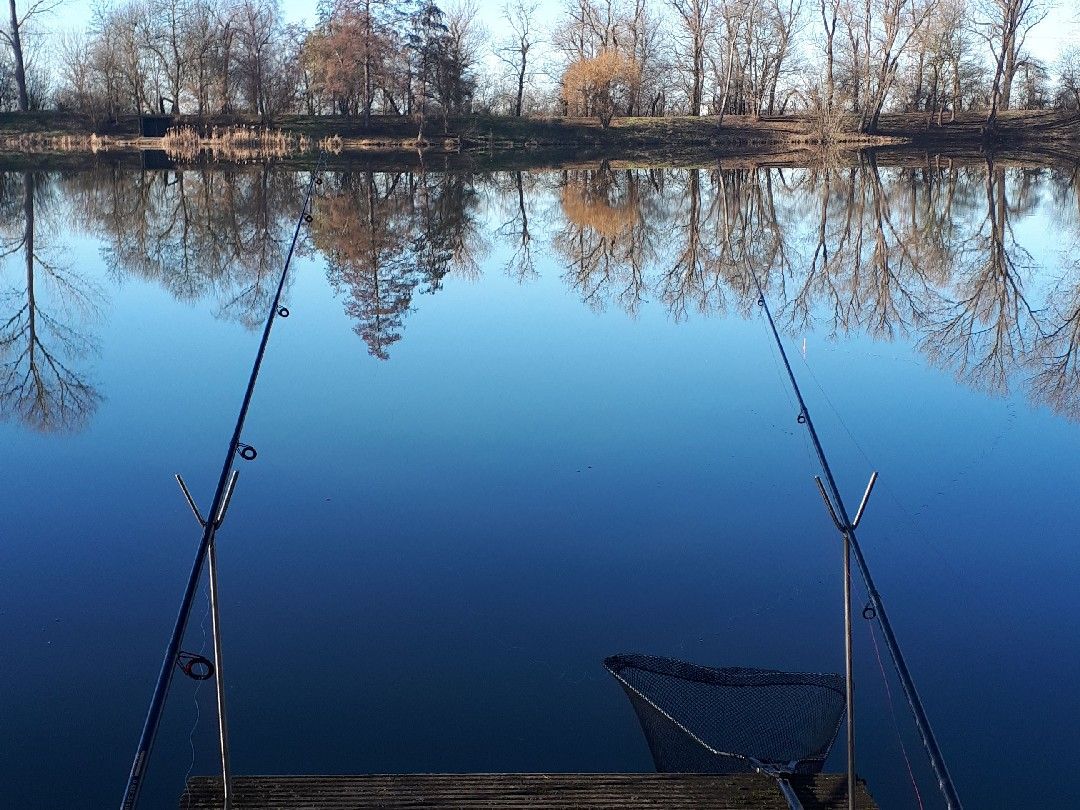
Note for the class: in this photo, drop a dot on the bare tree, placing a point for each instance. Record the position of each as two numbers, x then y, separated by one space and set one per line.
74 64
260 58
460 55
951 69
1069 77
1005 25
647 44
515 51
830 11
201 38
901 22
163 30
13 35
587 28
696 25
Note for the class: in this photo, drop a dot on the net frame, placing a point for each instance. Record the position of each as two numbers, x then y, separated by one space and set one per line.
718 760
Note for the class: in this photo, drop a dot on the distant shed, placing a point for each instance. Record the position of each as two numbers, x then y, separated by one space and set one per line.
155 126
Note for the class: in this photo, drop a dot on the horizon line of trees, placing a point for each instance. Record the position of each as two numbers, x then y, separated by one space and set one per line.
601 58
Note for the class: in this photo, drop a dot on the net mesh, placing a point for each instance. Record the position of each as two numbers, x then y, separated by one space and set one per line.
704 720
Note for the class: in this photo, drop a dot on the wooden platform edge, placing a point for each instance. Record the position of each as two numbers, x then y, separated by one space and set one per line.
519 790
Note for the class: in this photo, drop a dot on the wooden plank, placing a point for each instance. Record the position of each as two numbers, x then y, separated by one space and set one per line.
514 790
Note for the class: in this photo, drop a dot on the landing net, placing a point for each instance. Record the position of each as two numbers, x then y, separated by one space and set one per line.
734 719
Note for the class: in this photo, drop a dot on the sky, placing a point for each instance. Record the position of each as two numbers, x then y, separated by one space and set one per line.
1060 29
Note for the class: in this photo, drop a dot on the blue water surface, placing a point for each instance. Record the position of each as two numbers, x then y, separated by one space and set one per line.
433 552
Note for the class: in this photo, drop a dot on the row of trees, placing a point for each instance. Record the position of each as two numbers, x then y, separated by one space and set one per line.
835 57
197 56
205 57
600 58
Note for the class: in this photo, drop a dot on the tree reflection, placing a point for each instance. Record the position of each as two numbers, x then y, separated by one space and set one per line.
387 237
607 236
876 256
521 265
360 228
684 280
1056 359
202 234
40 339
989 326
918 250
924 249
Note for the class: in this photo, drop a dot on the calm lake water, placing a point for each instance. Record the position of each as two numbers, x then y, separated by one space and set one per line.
521 421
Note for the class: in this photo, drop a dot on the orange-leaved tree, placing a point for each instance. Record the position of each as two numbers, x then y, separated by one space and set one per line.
598 86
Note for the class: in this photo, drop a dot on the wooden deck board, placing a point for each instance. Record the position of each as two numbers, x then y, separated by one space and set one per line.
513 790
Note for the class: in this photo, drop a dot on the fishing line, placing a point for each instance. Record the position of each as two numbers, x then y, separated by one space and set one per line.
195 699
846 526
935 549
892 711
198 666
836 412
794 406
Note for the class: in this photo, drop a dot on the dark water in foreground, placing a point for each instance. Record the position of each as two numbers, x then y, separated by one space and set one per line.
521 421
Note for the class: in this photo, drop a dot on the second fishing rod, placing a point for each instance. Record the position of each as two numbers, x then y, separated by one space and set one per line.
211 523
838 511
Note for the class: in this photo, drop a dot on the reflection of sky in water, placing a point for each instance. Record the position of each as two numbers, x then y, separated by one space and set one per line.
431 556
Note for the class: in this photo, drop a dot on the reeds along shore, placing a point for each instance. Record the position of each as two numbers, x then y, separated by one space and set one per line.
234 139
233 143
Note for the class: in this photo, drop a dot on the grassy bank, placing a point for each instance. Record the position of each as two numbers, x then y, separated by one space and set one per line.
676 138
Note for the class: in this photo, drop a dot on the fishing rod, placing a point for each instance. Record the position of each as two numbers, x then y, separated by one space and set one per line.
876 607
196 666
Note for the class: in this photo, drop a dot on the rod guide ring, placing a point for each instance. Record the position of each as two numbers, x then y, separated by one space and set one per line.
196 667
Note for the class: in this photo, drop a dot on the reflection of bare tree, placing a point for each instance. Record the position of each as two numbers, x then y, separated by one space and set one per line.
921 249
1056 358
876 259
521 265
751 239
989 326
686 279
925 249
199 233
445 237
38 346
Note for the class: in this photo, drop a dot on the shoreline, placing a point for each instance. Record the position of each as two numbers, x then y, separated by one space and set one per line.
750 159
230 139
